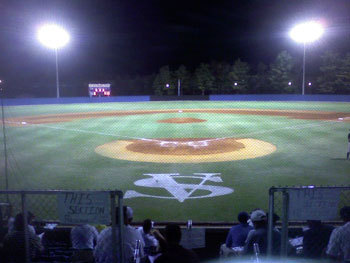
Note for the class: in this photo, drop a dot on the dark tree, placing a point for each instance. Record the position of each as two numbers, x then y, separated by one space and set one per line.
281 73
239 76
204 78
222 82
164 83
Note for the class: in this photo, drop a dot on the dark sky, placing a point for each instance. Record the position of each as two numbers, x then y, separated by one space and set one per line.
137 37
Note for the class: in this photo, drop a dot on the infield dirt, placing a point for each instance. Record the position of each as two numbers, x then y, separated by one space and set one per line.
294 114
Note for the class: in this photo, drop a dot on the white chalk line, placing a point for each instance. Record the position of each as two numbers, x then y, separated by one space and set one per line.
300 126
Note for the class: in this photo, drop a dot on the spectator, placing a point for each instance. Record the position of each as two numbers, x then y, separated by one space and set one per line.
83 238
14 243
174 252
103 250
30 217
151 237
238 234
259 235
275 218
316 239
339 242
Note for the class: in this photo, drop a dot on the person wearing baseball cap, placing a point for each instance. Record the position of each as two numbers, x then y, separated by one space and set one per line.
259 235
103 250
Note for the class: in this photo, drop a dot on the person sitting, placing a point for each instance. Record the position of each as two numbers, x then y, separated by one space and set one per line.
83 239
14 243
151 237
236 237
30 217
316 238
174 252
259 235
238 234
103 252
339 242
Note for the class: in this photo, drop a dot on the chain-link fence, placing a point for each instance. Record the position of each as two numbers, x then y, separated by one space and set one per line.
315 209
60 226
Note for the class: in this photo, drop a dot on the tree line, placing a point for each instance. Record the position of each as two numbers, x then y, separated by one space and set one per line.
331 75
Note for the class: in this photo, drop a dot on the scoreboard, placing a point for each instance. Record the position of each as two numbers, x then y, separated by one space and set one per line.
99 90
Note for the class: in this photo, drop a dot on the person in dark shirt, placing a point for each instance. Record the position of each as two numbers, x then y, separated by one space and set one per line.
316 239
14 243
259 235
238 234
174 252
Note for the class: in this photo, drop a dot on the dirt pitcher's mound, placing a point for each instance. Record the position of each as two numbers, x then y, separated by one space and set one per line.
186 150
181 120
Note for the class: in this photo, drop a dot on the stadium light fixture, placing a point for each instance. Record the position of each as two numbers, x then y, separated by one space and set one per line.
306 33
53 37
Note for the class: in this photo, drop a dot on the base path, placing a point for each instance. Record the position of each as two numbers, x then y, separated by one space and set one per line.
294 114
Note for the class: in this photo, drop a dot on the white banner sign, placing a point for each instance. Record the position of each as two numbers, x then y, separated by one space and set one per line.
84 208
313 204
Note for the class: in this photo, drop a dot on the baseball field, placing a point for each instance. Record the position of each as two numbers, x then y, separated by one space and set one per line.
174 161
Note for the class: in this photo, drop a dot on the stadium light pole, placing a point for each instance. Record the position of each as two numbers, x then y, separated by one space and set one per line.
53 37
306 33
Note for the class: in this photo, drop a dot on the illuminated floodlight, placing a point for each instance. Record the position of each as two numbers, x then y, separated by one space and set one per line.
289 83
306 32
167 85
309 84
53 36
0 80
235 84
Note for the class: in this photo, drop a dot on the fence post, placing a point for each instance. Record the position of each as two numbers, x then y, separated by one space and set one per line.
270 221
121 225
284 235
114 232
25 224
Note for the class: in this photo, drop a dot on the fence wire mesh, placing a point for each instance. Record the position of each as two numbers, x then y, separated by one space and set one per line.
318 215
34 229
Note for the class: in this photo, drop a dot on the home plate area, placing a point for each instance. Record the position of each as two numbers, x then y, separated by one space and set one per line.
186 150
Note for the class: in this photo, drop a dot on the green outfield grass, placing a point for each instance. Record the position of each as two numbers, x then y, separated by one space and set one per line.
62 156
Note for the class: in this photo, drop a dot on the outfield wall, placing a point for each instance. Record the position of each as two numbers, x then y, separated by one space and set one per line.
279 97
249 97
72 100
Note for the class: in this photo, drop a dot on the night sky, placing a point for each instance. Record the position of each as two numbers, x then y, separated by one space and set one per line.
110 38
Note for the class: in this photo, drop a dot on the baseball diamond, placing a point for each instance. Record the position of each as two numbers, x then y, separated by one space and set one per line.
204 160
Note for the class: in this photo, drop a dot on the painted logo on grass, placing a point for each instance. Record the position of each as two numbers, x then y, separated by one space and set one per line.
179 190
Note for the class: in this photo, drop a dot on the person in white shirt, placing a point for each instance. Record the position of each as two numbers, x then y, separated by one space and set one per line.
103 250
84 237
339 242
